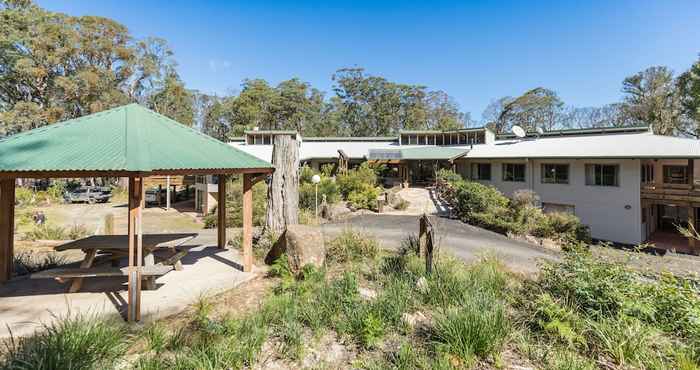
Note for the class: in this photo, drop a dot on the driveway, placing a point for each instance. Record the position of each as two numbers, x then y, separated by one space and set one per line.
461 240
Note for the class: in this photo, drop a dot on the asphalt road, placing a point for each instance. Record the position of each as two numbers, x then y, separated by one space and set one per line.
461 240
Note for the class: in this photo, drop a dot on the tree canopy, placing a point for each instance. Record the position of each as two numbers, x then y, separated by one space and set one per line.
55 66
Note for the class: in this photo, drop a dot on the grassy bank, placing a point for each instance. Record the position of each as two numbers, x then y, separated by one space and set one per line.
373 310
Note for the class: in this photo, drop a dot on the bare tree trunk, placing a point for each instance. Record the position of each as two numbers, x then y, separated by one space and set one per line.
283 192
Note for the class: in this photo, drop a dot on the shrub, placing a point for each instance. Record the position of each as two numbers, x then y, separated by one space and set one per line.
24 197
365 198
28 262
307 189
444 175
627 341
478 327
482 205
351 245
77 232
525 198
357 180
46 232
401 204
80 342
234 205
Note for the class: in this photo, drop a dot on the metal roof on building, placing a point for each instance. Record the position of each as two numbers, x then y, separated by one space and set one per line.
130 138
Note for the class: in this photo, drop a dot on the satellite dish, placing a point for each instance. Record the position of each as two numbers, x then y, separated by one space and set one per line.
518 131
540 131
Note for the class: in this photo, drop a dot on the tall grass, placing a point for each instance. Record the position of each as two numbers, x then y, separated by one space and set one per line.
478 328
77 342
31 262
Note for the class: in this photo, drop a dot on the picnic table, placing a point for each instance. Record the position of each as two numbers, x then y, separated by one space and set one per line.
115 247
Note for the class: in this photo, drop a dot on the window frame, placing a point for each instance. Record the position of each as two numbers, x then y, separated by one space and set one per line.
647 173
543 172
479 172
601 176
505 172
669 167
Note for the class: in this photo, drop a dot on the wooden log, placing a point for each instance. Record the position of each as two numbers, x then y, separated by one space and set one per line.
7 228
283 192
247 223
221 212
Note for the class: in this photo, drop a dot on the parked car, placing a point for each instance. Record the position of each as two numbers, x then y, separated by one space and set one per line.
151 196
89 194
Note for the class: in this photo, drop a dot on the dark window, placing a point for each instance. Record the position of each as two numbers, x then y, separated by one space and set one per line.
675 174
555 173
647 173
514 172
481 171
602 174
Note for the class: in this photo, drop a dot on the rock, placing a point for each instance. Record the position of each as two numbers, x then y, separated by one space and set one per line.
551 244
304 246
422 285
339 210
416 320
367 293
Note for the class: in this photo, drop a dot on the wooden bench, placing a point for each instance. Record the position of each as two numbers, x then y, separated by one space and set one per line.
150 273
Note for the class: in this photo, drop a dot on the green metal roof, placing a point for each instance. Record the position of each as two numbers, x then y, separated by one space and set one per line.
423 153
130 138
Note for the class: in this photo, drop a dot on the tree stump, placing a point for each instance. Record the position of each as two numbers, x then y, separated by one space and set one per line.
283 192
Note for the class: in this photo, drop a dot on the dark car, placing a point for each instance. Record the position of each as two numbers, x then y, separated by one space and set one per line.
89 194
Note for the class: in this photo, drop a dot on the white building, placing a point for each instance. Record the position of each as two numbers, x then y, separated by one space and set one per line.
627 184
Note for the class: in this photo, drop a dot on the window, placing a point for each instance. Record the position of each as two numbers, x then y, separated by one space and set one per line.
647 173
481 171
602 174
514 172
675 174
555 173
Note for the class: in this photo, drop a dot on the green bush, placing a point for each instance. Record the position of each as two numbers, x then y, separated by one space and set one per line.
357 180
234 205
475 199
46 232
307 189
80 342
478 327
444 175
351 245
365 198
29 262
24 197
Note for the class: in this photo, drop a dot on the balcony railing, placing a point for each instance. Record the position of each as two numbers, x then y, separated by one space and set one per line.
671 192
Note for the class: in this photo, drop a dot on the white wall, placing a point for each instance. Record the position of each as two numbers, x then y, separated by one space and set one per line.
602 208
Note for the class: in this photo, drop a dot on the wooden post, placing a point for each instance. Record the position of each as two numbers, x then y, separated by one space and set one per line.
425 242
247 223
221 212
135 248
7 228
167 193
691 222
422 234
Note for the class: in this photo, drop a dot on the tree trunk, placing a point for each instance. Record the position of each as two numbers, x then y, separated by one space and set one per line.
283 192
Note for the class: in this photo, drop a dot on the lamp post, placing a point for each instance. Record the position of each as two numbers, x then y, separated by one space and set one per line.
316 179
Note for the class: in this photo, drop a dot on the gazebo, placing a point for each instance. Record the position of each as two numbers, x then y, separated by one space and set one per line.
128 141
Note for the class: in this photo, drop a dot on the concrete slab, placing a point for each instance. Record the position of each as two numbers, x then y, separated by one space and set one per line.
25 304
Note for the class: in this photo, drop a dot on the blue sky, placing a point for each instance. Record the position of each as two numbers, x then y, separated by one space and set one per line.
475 51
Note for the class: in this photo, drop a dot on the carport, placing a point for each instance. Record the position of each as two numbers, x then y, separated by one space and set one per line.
128 141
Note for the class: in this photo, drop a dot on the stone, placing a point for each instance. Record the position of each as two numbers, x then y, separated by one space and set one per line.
416 320
367 293
304 246
422 285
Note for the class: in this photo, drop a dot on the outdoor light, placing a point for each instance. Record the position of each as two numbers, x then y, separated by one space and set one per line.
316 179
